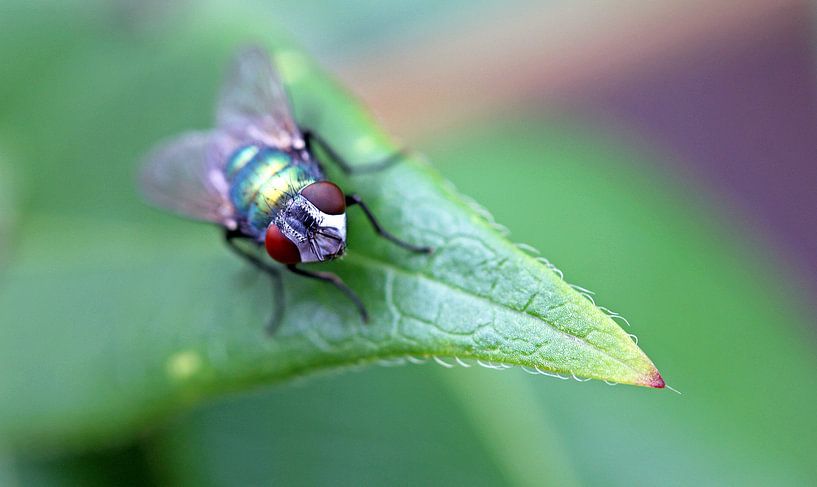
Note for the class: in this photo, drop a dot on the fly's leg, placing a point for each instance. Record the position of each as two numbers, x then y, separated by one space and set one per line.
354 199
338 283
230 237
312 140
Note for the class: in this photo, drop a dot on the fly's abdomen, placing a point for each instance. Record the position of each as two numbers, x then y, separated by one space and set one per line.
262 181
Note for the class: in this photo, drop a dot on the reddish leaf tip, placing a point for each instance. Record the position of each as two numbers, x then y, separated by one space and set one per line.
656 381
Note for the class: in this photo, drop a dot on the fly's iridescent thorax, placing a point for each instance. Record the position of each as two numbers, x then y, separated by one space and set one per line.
263 181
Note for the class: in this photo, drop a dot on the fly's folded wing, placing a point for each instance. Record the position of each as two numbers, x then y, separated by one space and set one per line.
186 176
253 103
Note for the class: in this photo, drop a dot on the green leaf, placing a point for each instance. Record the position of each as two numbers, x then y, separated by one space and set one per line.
425 424
115 317
7 211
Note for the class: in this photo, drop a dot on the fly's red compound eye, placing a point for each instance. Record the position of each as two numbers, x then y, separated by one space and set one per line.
326 197
281 248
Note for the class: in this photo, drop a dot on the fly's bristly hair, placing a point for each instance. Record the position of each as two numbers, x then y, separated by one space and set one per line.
306 213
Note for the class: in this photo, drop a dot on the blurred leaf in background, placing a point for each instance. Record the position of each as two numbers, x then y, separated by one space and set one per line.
729 335
7 211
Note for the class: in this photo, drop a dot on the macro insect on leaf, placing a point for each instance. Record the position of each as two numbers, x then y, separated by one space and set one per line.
256 175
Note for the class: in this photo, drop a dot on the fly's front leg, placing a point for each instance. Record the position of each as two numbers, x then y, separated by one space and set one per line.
312 139
338 283
230 237
354 199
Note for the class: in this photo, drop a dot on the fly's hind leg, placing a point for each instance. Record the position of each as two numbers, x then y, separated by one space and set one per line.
230 237
312 140
336 281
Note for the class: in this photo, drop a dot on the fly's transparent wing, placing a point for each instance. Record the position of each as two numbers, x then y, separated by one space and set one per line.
253 104
185 175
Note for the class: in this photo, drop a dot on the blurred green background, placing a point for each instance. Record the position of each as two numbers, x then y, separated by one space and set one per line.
87 87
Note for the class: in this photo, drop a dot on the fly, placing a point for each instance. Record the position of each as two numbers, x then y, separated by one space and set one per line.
256 176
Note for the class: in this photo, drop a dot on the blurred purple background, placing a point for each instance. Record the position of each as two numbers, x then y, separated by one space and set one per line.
742 116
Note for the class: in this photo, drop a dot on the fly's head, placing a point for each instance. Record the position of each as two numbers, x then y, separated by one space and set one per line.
312 226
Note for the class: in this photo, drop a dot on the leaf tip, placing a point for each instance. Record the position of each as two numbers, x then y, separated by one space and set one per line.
655 380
